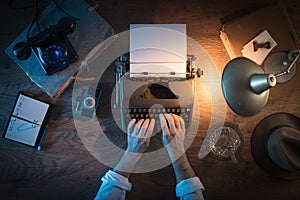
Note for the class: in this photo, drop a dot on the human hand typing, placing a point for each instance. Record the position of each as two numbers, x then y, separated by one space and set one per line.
173 134
139 134
138 138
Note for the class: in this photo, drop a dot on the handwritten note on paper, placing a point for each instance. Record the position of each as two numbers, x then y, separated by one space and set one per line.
258 55
26 120
24 109
22 131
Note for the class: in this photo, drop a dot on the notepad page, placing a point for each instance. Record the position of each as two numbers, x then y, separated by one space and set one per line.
22 131
30 109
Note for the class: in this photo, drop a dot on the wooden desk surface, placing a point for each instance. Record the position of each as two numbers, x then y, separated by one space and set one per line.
64 169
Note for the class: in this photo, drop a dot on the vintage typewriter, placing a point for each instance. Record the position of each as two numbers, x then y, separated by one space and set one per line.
142 98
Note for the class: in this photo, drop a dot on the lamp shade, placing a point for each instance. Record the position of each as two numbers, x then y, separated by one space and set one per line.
245 86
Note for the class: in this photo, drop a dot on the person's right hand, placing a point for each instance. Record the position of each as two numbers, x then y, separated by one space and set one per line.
173 134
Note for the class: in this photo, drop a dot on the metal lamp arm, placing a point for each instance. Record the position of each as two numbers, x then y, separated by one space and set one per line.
287 71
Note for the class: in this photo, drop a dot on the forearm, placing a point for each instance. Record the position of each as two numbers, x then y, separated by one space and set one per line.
183 169
127 164
188 185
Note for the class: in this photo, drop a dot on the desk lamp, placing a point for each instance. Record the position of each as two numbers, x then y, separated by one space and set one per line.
246 86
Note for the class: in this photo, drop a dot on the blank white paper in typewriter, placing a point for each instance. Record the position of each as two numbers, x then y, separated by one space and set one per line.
158 50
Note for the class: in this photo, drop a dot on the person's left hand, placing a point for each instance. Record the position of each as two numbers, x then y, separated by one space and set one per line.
139 134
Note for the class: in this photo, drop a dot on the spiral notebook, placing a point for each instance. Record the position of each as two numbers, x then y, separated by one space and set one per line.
28 121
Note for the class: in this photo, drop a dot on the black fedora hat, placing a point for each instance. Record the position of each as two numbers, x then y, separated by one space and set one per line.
275 145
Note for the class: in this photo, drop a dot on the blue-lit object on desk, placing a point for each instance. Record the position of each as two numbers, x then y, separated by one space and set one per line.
54 55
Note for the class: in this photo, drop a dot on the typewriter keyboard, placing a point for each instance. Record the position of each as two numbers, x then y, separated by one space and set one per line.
153 113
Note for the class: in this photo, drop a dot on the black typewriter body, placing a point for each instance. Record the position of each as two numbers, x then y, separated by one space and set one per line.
147 98
138 98
159 99
152 112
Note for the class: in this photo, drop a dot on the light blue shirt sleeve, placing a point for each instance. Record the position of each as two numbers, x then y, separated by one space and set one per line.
114 187
190 189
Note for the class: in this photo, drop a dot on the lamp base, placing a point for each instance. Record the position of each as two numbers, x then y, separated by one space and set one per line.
236 87
277 63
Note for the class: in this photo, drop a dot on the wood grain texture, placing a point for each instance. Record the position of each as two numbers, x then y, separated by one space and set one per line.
64 169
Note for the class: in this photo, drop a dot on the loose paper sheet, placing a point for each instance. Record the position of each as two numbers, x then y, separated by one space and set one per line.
260 55
158 49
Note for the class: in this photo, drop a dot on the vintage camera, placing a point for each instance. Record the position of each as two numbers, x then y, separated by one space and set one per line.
52 47
87 101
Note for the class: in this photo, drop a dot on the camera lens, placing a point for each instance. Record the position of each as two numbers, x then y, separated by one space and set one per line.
54 55
89 102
